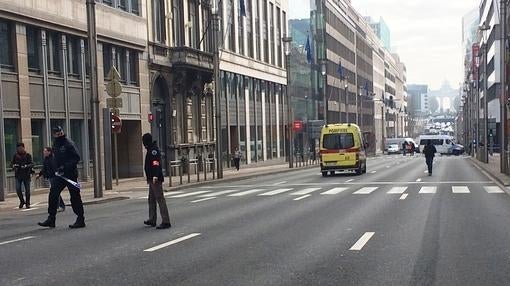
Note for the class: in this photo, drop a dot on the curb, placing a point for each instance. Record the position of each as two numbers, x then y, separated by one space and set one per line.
488 174
233 179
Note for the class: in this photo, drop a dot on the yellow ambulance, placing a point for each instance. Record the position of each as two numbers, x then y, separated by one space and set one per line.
342 149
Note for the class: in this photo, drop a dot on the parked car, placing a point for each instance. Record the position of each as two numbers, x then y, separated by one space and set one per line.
457 149
393 149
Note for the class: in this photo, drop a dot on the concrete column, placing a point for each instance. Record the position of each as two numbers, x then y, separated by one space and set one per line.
65 73
247 125
264 127
86 109
44 72
24 86
277 107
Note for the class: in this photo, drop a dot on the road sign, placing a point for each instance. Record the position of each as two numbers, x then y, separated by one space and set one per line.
114 88
114 102
116 124
113 74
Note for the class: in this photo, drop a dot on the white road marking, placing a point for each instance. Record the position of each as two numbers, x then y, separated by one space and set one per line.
157 247
16 240
279 183
379 183
171 193
493 190
204 199
425 172
387 167
428 190
141 198
373 172
275 192
350 180
418 180
33 205
30 209
365 190
190 194
334 191
305 191
215 194
362 241
460 190
300 198
397 190
403 196
246 192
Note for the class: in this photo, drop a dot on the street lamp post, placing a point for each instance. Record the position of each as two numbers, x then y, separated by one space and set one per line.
287 41
215 39
324 84
94 98
503 93
485 157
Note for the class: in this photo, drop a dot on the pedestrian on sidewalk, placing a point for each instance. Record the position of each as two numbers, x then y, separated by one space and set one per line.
429 151
154 174
22 165
404 148
66 160
48 172
237 158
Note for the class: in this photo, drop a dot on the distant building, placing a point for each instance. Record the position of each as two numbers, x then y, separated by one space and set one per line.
382 31
418 101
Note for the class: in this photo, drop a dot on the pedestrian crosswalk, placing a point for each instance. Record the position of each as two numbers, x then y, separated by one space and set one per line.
303 192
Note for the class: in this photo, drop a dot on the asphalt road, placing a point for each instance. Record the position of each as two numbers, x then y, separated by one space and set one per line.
391 226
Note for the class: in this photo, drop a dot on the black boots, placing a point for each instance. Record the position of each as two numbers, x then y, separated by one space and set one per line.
79 223
47 223
164 226
149 223
21 205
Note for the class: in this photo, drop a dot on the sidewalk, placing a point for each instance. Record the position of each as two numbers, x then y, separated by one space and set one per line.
493 168
131 187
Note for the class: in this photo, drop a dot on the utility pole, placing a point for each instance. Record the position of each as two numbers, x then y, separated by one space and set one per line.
503 95
215 39
287 42
94 98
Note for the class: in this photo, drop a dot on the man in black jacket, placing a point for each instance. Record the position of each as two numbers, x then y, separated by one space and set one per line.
66 159
22 164
154 174
430 151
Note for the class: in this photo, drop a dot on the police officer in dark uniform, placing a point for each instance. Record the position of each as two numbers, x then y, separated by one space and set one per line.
66 159
154 174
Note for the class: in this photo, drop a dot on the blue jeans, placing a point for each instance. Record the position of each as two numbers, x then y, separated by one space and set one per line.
26 183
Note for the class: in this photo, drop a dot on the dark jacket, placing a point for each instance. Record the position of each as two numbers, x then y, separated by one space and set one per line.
66 157
22 165
152 164
429 151
49 167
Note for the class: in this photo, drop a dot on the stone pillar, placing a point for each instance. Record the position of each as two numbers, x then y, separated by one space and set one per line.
24 86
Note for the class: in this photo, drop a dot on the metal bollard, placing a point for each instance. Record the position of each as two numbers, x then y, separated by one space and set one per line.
205 169
180 172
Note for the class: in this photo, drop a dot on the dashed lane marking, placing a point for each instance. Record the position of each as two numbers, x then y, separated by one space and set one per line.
418 180
300 198
275 192
171 193
334 191
460 190
350 180
403 197
427 190
16 240
373 172
305 191
362 241
493 190
397 190
246 193
163 245
189 194
279 183
30 209
204 199
218 193
365 190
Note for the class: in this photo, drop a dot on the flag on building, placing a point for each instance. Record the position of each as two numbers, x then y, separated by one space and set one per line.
340 70
243 8
309 57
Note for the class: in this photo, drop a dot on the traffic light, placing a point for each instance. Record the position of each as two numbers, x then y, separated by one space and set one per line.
150 117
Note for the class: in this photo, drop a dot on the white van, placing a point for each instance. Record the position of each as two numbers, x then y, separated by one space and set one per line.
443 143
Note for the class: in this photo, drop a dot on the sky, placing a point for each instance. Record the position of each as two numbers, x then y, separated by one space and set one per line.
427 34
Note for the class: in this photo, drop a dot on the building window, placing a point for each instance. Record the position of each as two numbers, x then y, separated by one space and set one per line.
107 60
73 56
256 15
264 32
249 25
178 22
279 37
231 26
158 20
77 135
133 68
208 29
271 32
125 61
240 36
53 54
33 49
37 140
193 15
11 138
121 63
6 44
135 7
